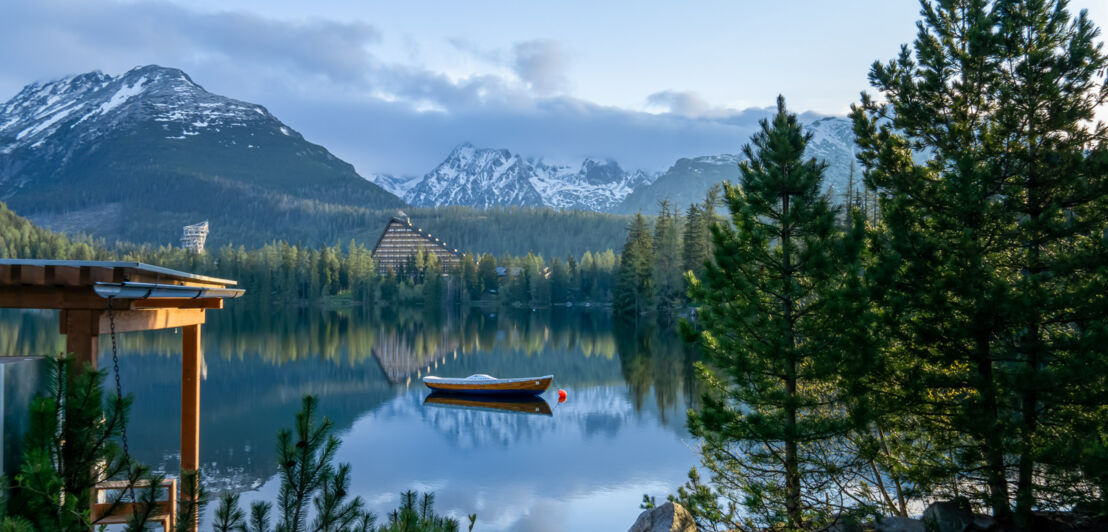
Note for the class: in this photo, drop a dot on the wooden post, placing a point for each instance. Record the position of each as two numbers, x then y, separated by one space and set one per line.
82 329
190 402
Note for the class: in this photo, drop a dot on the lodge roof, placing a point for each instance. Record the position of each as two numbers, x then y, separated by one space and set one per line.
407 223
35 271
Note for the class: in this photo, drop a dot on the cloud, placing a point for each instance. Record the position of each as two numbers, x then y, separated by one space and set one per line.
66 37
542 65
326 79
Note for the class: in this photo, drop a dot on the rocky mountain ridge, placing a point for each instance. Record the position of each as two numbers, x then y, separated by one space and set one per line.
485 177
139 155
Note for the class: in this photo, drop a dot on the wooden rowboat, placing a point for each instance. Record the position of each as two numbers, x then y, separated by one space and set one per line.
487 384
525 404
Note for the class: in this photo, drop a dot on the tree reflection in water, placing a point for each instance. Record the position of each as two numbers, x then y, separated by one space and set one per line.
259 363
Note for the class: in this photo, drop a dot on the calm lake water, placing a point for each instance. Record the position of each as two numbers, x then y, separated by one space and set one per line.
585 466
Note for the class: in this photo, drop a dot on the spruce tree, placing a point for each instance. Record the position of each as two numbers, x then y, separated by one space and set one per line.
634 289
772 307
991 178
668 279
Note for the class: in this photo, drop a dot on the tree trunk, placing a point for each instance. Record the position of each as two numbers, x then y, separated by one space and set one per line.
792 461
1033 268
994 452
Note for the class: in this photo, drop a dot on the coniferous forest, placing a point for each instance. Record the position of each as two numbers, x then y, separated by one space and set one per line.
951 347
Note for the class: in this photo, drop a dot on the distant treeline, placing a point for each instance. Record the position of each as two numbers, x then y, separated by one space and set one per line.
294 274
649 279
498 230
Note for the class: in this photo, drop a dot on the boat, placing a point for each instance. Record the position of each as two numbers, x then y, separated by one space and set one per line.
526 404
489 385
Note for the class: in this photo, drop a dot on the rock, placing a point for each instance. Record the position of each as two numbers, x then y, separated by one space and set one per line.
668 517
1088 508
845 525
948 516
983 523
898 524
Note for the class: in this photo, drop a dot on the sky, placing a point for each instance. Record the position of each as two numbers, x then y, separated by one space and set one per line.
392 87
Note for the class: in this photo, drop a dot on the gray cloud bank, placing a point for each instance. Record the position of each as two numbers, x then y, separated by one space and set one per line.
323 78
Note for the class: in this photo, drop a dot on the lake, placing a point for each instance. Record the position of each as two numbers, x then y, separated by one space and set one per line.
620 434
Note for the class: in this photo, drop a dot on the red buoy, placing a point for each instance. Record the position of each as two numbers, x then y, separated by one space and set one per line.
561 396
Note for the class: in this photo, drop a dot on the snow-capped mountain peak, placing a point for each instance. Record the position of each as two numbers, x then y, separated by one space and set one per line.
482 177
476 177
93 103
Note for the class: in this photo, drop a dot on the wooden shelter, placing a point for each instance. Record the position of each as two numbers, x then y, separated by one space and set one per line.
140 297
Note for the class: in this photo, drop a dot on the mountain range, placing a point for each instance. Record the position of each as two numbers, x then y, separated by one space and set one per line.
488 177
495 177
139 155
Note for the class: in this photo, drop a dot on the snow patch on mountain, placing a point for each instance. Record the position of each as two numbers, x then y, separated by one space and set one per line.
398 185
480 177
63 115
122 95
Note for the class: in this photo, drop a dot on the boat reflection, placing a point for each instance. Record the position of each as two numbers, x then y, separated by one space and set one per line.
533 405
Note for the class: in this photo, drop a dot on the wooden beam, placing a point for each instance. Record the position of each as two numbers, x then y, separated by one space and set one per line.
63 275
56 297
95 274
5 273
191 361
204 303
151 319
27 274
81 336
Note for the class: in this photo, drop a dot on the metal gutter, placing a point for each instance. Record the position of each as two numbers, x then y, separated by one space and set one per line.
149 290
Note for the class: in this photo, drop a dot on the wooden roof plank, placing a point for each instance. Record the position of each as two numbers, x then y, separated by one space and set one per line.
63 275
131 268
30 274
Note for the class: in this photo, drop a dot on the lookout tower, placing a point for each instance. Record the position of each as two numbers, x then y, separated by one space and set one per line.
194 236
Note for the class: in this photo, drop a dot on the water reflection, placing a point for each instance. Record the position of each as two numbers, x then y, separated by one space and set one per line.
620 433
501 404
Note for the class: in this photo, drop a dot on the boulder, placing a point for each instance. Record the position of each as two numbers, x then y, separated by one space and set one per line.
983 523
898 524
668 517
948 516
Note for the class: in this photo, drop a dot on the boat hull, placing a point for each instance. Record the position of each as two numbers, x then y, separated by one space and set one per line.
525 386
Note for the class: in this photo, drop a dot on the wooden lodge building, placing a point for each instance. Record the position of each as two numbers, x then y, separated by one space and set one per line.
401 240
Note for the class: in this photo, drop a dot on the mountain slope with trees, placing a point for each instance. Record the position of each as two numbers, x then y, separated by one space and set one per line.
137 156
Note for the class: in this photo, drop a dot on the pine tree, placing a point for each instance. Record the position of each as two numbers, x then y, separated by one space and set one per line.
634 290
486 271
559 281
697 241
773 304
994 246
668 279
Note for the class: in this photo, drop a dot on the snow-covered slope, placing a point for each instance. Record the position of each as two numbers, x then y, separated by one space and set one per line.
479 177
118 155
69 113
398 185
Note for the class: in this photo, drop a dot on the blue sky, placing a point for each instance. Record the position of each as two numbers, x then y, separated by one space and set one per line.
393 86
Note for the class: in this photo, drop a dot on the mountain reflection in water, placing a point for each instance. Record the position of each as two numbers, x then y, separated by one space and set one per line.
619 434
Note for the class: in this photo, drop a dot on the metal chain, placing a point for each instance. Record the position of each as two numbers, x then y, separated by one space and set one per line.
118 387
119 399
